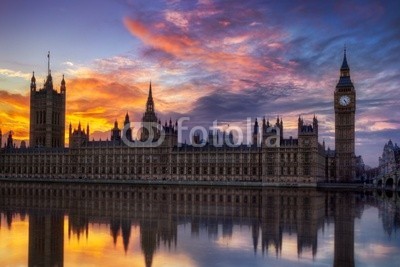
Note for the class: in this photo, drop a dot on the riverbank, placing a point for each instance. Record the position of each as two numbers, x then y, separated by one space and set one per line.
351 186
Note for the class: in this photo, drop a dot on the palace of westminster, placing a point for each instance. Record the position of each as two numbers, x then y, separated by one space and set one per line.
301 161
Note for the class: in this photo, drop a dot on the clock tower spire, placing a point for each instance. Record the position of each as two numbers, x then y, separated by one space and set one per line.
345 109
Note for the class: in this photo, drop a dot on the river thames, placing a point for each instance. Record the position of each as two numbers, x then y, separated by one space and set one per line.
130 225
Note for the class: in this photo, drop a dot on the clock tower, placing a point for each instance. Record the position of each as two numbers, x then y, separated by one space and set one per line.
345 109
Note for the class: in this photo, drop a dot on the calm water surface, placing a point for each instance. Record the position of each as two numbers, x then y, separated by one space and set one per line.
123 225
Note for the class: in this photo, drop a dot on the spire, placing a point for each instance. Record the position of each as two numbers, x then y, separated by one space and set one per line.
345 66
390 143
48 63
345 80
150 102
49 81
150 93
10 141
63 87
126 119
115 132
33 80
300 124
255 131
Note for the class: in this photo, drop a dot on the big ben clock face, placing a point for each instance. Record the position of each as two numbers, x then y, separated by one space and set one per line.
344 100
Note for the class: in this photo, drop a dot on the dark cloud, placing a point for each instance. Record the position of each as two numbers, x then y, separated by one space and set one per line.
237 106
242 59
229 60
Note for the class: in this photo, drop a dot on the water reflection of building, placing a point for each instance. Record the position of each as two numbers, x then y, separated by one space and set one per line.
148 241
341 209
122 226
292 211
78 225
344 230
46 239
390 216
158 211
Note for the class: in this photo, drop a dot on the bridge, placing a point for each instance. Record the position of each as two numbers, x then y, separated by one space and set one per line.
388 181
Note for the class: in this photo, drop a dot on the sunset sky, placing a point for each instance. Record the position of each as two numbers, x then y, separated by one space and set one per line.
207 59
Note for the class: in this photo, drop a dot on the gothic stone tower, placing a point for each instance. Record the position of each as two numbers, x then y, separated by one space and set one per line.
47 113
345 108
149 120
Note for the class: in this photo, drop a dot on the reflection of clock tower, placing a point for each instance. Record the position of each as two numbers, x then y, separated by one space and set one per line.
345 108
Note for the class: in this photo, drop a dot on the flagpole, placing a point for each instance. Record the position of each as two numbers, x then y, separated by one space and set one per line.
48 63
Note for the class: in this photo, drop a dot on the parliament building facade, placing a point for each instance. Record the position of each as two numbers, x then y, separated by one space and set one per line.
301 161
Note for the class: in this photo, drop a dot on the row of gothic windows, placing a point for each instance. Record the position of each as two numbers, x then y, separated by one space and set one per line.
41 117
139 170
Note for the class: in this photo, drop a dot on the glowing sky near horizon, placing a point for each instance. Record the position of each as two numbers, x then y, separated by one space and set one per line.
207 59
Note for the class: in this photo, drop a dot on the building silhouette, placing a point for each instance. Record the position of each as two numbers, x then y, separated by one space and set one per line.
389 162
345 108
47 113
271 158
150 121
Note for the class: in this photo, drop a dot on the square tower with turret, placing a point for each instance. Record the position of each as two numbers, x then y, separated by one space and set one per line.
47 113
345 109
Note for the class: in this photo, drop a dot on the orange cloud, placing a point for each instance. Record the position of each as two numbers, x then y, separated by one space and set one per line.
14 114
177 45
211 55
99 97
99 101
